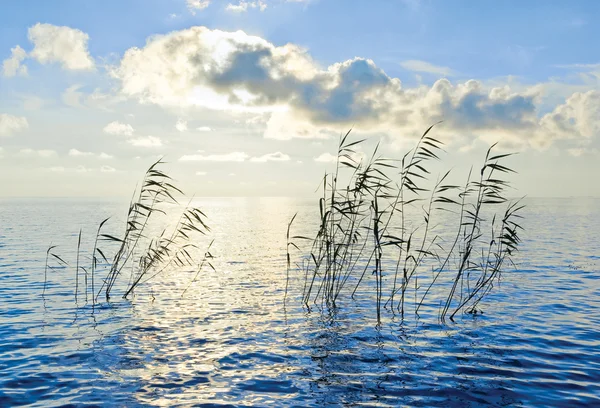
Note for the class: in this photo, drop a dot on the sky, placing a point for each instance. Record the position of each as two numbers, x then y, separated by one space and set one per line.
248 98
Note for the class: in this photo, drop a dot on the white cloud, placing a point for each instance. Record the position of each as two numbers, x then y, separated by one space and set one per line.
118 128
203 129
45 153
72 96
195 5
201 173
107 169
32 102
331 158
577 151
242 6
82 169
148 141
78 153
181 125
579 66
227 157
426 67
60 44
10 124
577 118
286 125
12 66
326 158
278 156
233 71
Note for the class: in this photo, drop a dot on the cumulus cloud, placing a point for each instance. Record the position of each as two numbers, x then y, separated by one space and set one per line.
203 129
181 125
13 65
278 156
118 128
105 156
426 67
243 6
148 141
577 118
226 157
10 124
60 44
201 173
237 72
326 158
195 5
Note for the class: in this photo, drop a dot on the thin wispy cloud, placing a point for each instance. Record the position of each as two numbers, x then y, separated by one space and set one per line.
426 67
78 153
118 128
44 153
11 124
107 169
181 125
145 141
278 156
593 66
226 157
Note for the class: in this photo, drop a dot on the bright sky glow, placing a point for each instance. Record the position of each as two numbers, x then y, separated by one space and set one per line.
91 93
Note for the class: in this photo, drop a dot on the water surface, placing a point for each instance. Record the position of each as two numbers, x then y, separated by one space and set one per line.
231 342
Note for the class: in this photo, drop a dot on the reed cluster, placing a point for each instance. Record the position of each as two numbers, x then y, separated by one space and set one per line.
140 253
369 241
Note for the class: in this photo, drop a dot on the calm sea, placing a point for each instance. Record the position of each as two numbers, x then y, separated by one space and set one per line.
231 342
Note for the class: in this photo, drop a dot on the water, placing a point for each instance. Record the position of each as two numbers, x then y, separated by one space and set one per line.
230 342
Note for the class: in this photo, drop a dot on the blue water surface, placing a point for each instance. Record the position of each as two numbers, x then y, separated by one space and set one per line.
231 341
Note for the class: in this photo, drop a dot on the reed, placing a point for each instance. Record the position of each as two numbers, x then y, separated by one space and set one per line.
145 255
367 236
77 265
51 256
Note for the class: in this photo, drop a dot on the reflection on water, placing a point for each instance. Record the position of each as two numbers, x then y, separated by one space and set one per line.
231 342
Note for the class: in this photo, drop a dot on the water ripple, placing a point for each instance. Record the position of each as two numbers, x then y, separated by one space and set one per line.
230 342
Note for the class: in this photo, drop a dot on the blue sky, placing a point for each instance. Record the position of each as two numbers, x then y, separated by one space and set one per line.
296 74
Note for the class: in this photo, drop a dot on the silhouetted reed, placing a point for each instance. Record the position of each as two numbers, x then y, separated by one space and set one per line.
51 256
366 230
145 256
